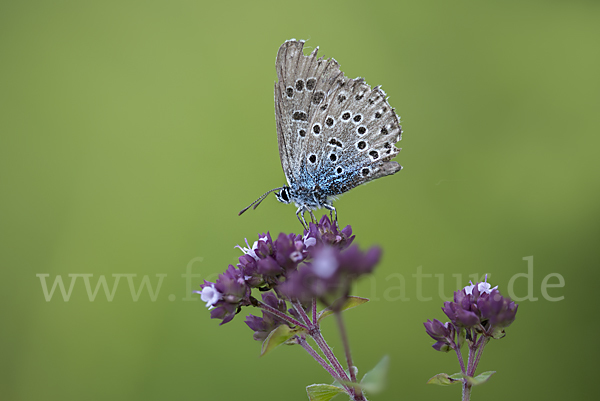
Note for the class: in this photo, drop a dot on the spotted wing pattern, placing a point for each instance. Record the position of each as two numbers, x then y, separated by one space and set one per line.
334 133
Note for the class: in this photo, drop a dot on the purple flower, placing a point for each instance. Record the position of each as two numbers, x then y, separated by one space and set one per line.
330 275
262 326
499 311
267 260
308 265
328 234
226 295
477 314
442 333
481 307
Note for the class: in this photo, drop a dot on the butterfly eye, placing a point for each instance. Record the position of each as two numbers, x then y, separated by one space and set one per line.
284 195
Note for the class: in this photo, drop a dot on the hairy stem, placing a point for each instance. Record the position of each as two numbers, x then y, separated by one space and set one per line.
302 341
460 359
298 307
324 347
281 315
344 336
484 340
466 393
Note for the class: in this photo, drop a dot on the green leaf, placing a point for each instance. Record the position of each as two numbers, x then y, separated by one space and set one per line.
350 303
481 378
277 337
444 379
498 333
374 381
323 392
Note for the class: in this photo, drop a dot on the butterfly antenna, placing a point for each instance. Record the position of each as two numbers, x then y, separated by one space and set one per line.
257 202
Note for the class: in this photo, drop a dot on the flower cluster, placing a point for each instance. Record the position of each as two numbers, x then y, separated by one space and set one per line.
480 307
262 326
477 309
295 268
330 274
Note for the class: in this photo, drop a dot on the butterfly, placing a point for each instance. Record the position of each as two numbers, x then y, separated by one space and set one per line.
334 133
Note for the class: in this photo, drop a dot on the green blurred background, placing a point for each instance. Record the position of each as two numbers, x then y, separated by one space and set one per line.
132 132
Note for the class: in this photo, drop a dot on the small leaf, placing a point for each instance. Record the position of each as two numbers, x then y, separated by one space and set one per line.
323 392
498 333
350 303
277 337
481 378
374 381
444 379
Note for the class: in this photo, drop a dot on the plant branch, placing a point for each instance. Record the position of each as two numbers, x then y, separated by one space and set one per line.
281 315
298 307
482 342
344 336
302 341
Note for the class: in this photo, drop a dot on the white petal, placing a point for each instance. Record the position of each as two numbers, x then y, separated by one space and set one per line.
211 296
469 288
310 241
325 263
296 256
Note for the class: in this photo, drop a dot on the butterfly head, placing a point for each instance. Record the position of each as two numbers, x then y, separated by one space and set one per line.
283 196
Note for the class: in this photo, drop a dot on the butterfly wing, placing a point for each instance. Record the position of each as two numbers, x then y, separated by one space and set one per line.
299 92
334 133
359 131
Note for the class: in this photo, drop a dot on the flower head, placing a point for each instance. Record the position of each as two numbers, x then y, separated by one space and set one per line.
481 307
264 325
330 274
442 333
327 233
315 263
226 295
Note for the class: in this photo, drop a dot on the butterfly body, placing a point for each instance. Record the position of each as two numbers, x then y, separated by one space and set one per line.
334 133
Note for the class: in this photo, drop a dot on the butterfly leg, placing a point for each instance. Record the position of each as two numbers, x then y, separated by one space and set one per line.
300 215
332 213
312 216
